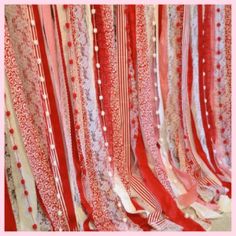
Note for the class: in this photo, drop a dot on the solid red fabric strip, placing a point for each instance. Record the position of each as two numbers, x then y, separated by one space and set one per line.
10 223
56 126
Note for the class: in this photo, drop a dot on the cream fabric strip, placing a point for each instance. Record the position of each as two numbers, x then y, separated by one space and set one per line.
120 190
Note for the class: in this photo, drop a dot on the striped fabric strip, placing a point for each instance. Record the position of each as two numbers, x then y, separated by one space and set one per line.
123 80
144 192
